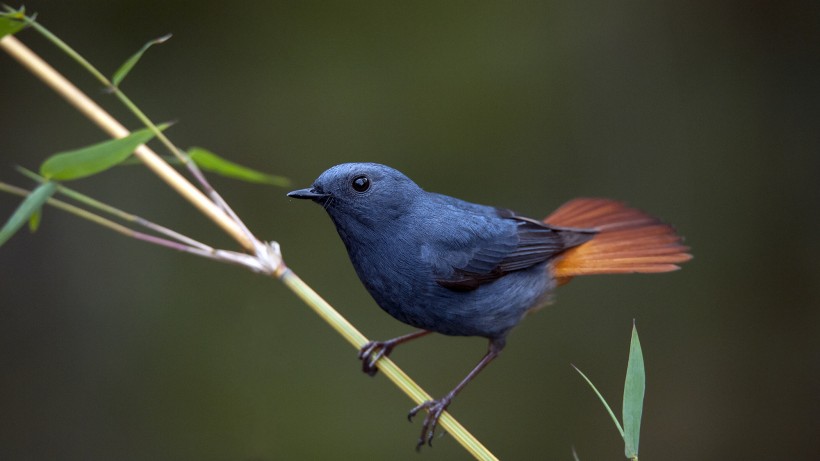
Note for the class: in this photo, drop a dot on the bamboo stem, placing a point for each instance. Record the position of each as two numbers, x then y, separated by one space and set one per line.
101 118
94 112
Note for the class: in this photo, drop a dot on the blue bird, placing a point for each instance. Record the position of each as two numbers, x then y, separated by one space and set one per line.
448 266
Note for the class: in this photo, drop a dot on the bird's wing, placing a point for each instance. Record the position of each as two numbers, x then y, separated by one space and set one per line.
485 248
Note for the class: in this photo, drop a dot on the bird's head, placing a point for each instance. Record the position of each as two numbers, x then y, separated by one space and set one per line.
367 193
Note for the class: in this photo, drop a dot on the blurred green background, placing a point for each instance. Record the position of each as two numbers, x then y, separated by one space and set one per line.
704 113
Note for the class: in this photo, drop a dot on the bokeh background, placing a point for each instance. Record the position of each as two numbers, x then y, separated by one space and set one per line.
704 113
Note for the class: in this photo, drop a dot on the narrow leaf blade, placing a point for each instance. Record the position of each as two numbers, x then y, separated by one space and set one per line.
93 159
12 22
209 161
129 64
634 388
34 220
602 399
27 208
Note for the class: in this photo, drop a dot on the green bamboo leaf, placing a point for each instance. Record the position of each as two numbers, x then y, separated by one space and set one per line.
94 159
633 396
34 220
27 208
601 398
129 64
12 21
209 161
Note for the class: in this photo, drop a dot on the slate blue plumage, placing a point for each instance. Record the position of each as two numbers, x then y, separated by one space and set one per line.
428 259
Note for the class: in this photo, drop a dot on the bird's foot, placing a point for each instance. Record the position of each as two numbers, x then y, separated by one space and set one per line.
375 350
371 352
434 410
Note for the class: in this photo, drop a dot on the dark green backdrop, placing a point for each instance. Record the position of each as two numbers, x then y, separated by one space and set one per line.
705 113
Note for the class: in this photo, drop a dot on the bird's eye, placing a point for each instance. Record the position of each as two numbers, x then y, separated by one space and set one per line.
361 183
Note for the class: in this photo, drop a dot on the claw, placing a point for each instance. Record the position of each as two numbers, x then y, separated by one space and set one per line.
434 410
371 353
415 410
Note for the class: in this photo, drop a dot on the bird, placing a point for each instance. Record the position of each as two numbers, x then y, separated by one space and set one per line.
445 265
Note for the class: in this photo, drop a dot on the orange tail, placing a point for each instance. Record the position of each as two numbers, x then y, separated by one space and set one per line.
628 240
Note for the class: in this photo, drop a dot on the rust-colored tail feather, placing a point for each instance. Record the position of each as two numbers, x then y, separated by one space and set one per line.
628 240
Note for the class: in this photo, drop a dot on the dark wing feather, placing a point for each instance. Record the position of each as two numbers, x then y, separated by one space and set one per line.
527 244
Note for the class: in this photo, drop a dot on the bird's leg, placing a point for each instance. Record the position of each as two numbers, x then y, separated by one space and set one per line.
371 352
436 407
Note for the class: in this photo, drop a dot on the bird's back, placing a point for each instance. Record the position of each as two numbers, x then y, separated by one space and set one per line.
443 267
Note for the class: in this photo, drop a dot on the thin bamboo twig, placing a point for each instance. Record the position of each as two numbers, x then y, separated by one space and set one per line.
127 217
272 265
126 101
101 118
196 248
107 223
184 159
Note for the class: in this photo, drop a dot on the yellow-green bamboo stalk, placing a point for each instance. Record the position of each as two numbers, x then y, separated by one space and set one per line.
95 113
115 129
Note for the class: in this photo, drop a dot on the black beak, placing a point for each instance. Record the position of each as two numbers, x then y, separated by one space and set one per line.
309 194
